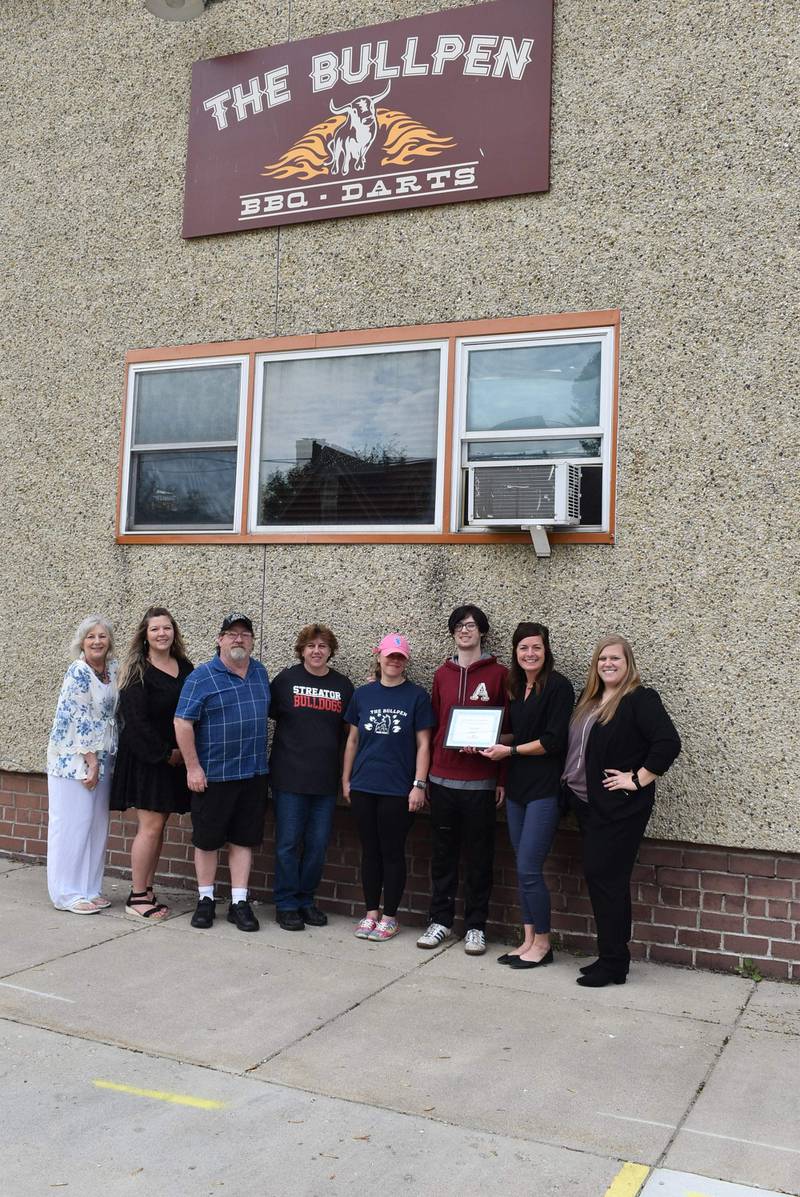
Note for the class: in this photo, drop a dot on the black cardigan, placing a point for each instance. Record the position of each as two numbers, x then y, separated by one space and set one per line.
542 717
641 735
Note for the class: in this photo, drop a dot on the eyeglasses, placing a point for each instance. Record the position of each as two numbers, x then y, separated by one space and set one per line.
468 626
238 635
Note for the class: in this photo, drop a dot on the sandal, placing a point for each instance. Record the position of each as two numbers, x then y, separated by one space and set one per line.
156 912
82 906
100 902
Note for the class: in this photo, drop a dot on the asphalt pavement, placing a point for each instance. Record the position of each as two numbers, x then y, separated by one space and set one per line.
166 1061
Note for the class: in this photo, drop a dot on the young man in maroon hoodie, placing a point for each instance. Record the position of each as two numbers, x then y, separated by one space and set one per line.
464 789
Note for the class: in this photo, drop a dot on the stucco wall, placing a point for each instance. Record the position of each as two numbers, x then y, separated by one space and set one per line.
670 199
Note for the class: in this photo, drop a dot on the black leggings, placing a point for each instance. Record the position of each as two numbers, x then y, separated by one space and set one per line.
383 822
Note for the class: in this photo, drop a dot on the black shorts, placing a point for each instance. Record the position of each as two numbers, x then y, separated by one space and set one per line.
230 812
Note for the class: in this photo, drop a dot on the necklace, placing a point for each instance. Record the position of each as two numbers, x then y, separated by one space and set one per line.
101 674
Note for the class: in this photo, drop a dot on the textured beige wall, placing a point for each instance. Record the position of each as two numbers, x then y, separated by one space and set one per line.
671 199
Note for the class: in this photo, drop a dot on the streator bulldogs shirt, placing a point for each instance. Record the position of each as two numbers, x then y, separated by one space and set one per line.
308 713
388 719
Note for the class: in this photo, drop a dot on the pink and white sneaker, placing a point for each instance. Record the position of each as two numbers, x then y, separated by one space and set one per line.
385 929
365 928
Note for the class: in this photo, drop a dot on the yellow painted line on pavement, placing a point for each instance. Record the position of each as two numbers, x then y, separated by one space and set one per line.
628 1180
177 1099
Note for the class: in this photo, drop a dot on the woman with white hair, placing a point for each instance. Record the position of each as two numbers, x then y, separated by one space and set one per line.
80 761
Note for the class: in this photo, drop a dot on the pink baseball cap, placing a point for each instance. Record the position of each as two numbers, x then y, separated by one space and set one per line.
394 643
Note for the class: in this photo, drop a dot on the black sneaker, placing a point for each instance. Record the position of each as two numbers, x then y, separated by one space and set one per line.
290 920
241 913
205 914
313 916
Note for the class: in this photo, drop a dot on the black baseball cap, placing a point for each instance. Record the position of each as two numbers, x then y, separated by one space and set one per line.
236 617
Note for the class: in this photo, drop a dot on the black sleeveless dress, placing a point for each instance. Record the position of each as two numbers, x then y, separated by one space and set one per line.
142 777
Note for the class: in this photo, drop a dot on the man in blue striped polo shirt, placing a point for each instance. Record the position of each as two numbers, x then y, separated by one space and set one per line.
221 729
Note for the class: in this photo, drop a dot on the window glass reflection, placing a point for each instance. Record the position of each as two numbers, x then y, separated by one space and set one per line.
545 386
350 439
492 450
200 403
184 489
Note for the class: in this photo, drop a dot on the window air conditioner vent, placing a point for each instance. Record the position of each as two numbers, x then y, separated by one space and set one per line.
519 493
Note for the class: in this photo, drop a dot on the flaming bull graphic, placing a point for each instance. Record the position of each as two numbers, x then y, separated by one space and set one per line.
349 144
405 140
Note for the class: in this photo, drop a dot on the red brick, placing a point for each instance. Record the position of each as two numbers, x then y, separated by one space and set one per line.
642 911
699 939
733 904
671 955
781 910
572 922
711 901
793 911
655 854
774 928
682 878
10 843
757 907
16 783
691 898
37 784
777 969
789 867
720 922
648 893
35 847
638 950
583 943
782 950
669 896
644 872
746 945
752 866
717 961
675 918
651 934
769 887
723 883
705 859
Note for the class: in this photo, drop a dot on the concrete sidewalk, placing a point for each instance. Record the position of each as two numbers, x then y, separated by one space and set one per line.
165 1061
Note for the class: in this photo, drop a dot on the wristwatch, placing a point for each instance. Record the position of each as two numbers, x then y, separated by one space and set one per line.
635 778
421 785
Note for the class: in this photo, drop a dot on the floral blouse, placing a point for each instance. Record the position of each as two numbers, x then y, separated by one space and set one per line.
84 722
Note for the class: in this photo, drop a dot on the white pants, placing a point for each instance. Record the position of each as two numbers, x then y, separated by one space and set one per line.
76 839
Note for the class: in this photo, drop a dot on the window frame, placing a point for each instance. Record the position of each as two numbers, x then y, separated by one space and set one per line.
422 336
129 449
262 359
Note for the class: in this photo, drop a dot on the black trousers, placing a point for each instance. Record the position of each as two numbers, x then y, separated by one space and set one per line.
609 854
383 822
461 821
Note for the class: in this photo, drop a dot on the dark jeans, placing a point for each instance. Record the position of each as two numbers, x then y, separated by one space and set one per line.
532 827
302 830
461 820
383 822
609 854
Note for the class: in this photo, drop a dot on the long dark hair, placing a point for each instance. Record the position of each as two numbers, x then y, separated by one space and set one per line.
516 674
133 667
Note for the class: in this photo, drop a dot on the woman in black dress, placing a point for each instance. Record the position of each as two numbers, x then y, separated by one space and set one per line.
620 740
150 774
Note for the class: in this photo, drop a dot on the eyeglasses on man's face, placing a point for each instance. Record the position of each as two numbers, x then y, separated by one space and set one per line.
241 635
468 625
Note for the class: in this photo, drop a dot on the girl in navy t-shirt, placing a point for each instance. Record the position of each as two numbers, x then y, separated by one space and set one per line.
384 778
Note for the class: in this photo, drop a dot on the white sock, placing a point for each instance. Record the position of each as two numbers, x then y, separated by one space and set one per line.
206 891
238 895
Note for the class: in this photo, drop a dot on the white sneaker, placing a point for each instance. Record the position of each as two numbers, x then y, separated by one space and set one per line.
436 934
474 943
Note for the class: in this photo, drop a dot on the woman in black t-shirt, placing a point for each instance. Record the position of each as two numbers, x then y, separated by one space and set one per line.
540 705
307 703
150 774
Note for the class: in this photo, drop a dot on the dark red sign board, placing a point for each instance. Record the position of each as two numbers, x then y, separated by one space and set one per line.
436 109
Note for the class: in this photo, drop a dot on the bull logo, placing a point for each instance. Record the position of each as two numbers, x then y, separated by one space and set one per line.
350 143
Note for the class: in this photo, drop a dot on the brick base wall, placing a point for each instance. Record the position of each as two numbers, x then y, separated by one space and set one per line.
705 907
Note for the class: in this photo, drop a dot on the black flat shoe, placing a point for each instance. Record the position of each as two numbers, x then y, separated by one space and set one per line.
204 915
518 962
600 978
241 913
507 957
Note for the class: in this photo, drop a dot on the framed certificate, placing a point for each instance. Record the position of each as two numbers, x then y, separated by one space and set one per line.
473 727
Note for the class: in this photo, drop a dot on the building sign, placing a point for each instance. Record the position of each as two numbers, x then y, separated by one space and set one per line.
436 109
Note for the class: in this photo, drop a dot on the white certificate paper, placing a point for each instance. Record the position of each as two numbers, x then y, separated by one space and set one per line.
473 727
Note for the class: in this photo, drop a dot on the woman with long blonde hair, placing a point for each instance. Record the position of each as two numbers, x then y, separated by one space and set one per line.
150 773
620 740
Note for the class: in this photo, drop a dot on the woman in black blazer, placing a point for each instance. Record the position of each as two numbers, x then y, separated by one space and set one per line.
620 740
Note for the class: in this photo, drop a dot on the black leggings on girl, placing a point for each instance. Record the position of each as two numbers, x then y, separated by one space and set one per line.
383 822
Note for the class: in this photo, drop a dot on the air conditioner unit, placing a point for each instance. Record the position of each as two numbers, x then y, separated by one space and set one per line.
523 493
